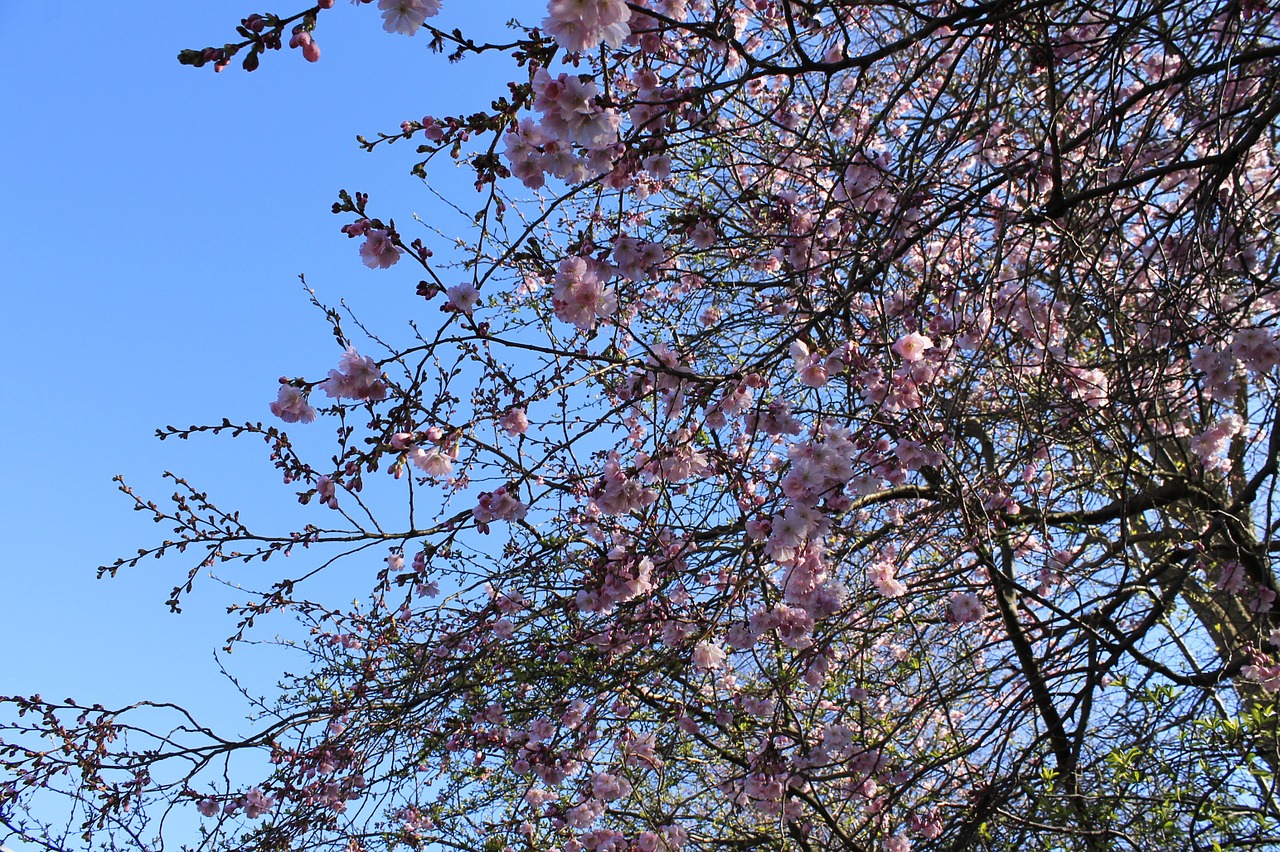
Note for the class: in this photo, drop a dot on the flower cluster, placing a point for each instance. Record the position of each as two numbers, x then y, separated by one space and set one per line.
357 377
431 453
291 405
581 295
499 505
580 25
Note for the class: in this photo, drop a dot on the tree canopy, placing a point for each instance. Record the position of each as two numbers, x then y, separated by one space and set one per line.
848 425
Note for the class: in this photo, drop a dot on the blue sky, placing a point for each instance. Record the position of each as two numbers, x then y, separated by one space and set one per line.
154 222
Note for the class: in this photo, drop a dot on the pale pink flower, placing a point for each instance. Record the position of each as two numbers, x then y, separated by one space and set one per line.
965 607
812 372
573 36
1268 676
598 129
1221 372
406 16
523 143
559 159
514 422
1232 579
432 129
1264 601
882 575
579 25
673 836
607 787
708 656
433 462
529 170
1090 386
291 406
1257 349
1212 444
256 803
378 251
646 841
357 377
499 505
583 815
580 295
327 492
538 796
658 166
703 235
911 347
637 260
463 298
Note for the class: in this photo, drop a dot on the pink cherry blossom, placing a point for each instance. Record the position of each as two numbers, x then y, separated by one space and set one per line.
1265 675
378 250
256 803
965 607
523 152
912 346
579 25
498 505
357 377
406 16
1231 578
1211 445
463 298
327 492
514 422
291 406
708 656
433 462
580 295
882 576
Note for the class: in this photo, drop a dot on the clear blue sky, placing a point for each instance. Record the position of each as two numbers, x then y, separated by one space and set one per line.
154 221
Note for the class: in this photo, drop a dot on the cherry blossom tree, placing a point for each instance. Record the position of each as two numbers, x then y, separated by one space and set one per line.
848 425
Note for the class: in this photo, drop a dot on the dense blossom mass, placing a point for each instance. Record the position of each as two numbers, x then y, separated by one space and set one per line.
837 425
